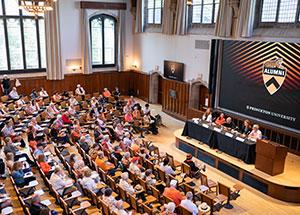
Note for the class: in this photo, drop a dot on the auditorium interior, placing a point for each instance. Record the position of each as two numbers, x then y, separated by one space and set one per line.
170 107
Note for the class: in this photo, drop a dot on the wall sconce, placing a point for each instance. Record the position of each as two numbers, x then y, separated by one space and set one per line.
74 65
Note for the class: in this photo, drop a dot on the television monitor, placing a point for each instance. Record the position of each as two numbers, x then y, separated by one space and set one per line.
173 70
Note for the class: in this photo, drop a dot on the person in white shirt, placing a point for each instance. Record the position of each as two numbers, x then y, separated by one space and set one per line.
125 185
89 183
109 199
43 93
119 210
189 204
207 116
79 90
255 134
165 166
127 140
73 101
146 110
14 94
133 167
61 183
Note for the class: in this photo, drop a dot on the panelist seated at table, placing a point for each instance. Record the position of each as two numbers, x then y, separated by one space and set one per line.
229 123
221 119
246 127
207 116
255 134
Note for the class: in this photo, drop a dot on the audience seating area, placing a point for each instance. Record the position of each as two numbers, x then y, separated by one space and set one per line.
92 137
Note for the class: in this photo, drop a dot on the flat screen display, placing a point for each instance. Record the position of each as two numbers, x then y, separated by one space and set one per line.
261 80
173 70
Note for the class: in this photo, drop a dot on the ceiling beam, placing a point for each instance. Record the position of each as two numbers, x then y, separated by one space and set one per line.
103 5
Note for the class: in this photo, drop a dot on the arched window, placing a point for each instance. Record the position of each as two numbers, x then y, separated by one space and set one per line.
279 11
103 40
22 40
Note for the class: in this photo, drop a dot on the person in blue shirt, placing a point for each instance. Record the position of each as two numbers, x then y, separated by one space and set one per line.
18 175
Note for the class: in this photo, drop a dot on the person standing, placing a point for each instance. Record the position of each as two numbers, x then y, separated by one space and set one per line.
5 85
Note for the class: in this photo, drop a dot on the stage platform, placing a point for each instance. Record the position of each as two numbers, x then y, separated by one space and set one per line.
285 187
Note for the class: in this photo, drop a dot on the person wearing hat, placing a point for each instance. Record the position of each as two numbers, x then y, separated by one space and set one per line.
134 167
189 204
195 171
172 193
204 208
5 85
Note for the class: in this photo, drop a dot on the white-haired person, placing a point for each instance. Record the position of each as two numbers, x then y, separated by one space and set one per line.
174 194
125 185
61 183
79 90
168 209
255 134
88 182
14 95
189 204
119 209
106 93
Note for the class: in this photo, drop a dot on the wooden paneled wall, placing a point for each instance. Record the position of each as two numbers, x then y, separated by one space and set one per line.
178 106
92 83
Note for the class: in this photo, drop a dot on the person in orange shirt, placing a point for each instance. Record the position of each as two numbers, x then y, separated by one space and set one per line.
221 119
136 113
103 164
45 167
106 93
174 194
128 117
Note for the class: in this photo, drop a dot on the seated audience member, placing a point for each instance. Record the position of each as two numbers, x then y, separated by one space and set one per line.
194 169
134 167
146 109
246 128
221 119
116 92
255 134
165 166
56 97
126 161
128 117
119 209
3 111
88 182
14 94
109 199
189 204
149 177
65 118
106 93
229 123
45 167
34 95
79 90
43 93
18 175
169 209
73 101
207 116
10 161
36 207
39 149
79 165
61 183
136 114
124 184
102 162
52 109
174 194
5 85
117 153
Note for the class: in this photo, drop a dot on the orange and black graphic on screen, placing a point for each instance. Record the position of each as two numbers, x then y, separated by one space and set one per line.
249 58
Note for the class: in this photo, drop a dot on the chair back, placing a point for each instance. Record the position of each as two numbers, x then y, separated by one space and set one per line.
105 208
185 168
155 192
167 199
161 174
224 190
102 174
149 164
188 188
209 200
184 211
143 183
171 159
203 179
122 193
111 182
147 209
133 202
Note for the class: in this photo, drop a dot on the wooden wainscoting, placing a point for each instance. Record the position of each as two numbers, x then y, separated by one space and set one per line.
178 106
92 83
139 83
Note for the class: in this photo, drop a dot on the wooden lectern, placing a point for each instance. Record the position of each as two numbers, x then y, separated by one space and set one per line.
270 157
